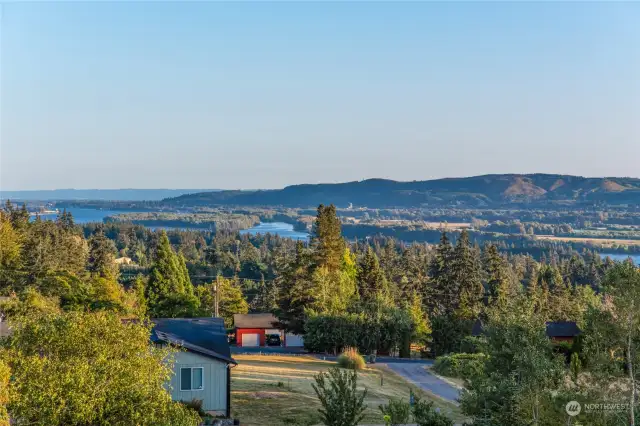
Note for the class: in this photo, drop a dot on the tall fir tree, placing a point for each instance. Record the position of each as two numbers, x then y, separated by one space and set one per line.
444 291
465 272
499 287
297 291
370 278
169 291
326 239
65 220
101 261
266 299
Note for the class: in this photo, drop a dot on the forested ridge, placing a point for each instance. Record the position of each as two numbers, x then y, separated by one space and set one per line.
487 190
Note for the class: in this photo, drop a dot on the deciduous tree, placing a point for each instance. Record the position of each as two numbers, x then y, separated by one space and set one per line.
90 369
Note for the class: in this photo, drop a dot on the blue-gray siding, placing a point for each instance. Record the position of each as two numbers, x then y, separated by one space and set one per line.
214 394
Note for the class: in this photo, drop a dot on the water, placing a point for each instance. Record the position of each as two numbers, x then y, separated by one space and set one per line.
83 215
621 257
281 229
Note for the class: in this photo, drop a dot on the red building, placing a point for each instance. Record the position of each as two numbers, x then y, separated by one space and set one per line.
252 331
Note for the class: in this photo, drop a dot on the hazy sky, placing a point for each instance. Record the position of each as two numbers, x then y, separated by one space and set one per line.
248 95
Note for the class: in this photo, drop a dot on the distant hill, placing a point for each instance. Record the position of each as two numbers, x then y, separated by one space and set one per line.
477 191
99 194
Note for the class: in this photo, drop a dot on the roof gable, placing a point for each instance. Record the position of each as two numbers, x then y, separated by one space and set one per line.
206 336
562 329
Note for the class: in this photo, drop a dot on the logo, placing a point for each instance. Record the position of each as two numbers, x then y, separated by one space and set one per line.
573 408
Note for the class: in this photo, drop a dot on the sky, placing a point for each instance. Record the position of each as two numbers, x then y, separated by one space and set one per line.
264 95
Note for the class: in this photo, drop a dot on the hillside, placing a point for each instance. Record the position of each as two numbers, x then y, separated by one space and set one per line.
477 191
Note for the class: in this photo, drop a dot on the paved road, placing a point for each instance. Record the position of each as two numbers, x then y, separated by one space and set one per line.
418 375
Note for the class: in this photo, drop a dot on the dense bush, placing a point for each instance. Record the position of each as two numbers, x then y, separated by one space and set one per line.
195 405
333 333
425 415
397 412
470 344
462 365
350 358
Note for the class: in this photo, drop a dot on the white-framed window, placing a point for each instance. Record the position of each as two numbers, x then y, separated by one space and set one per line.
191 378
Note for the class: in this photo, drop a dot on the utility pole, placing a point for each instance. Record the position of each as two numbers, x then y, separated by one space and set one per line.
215 299
215 295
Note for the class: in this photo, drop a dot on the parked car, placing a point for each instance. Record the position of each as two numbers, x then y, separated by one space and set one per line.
273 340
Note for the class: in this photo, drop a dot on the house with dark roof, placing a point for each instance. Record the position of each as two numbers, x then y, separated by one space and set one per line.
562 331
203 369
557 331
253 329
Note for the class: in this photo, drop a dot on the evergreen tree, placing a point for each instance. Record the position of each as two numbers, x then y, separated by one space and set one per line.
370 278
297 291
65 220
101 260
445 290
266 299
390 261
326 239
48 248
421 327
555 294
184 273
465 272
169 291
498 282
19 217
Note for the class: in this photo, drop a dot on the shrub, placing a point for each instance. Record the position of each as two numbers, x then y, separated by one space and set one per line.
564 348
425 415
465 366
471 344
397 412
195 405
350 358
342 404
575 365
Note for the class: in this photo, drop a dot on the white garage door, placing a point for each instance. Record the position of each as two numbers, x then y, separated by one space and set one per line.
294 340
251 340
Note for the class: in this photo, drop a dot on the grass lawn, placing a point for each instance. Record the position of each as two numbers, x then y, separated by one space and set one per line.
276 390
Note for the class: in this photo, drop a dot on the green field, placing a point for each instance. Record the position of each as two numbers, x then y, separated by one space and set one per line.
276 390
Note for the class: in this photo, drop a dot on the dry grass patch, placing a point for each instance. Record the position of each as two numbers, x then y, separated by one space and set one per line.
276 390
447 225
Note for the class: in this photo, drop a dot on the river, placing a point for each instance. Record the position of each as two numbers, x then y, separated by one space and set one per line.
81 216
282 229
620 257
